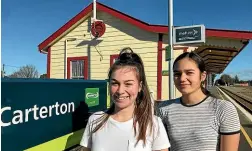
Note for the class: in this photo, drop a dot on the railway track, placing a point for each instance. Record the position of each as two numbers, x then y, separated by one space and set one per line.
244 101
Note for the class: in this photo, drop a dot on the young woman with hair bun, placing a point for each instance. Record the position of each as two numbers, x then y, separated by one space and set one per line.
129 124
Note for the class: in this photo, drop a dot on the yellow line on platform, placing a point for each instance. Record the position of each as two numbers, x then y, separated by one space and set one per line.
242 129
246 136
220 93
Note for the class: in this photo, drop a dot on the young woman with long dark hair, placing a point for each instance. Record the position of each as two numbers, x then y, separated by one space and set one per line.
129 124
197 121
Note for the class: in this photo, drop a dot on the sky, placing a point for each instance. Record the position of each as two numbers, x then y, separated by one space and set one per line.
27 23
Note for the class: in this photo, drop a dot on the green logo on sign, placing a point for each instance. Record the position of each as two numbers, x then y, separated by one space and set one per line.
92 96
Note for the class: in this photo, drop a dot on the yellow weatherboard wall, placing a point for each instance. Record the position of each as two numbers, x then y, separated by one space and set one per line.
118 34
75 49
165 66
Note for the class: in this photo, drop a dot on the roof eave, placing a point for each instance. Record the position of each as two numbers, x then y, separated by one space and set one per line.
65 27
244 45
247 35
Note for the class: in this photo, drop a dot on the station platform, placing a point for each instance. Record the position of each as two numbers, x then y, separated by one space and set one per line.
245 120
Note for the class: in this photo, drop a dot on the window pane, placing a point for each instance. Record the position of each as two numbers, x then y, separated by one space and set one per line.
73 68
77 69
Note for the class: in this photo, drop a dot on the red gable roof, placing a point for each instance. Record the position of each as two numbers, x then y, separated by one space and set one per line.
152 28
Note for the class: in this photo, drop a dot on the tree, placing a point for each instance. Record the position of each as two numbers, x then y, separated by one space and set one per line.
43 76
227 79
236 79
219 82
250 82
213 77
2 73
28 71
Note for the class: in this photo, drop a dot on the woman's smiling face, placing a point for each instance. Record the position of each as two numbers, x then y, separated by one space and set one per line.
187 76
124 87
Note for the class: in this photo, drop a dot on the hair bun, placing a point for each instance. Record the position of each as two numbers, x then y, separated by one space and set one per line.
128 56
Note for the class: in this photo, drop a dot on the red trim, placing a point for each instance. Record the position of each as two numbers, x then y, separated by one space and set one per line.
48 62
159 66
65 27
85 58
112 57
138 23
185 49
179 48
229 33
132 20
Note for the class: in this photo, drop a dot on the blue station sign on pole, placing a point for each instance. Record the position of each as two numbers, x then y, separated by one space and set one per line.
189 34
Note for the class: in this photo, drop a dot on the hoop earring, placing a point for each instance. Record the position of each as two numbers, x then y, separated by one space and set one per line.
202 83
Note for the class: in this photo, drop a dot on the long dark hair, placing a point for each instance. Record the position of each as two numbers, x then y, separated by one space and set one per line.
200 64
143 107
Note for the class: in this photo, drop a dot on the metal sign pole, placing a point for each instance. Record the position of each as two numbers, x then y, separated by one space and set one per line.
171 92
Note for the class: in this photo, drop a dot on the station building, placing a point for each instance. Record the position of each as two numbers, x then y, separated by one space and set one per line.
83 49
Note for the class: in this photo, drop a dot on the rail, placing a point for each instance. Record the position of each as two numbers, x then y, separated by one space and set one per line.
243 100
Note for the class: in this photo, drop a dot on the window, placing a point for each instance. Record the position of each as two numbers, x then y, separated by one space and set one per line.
77 68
